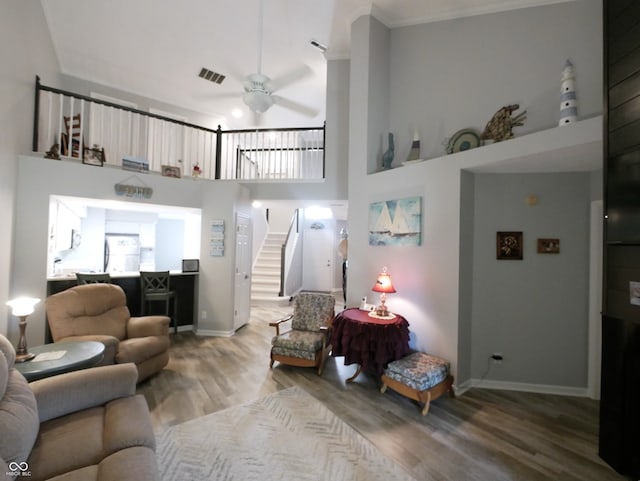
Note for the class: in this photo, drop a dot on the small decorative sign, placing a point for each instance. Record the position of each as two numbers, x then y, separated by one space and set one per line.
171 171
135 191
216 239
135 164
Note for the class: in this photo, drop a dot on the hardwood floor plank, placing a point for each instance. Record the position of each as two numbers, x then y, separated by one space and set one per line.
479 436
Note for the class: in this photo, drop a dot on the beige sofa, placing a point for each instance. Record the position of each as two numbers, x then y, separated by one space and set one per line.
81 426
99 312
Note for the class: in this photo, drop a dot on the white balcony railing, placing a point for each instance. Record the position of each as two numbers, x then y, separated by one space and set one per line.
78 124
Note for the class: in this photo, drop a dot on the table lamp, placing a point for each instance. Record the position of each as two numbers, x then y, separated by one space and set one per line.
22 307
383 285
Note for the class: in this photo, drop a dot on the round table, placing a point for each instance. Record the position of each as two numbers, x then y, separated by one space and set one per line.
370 342
60 357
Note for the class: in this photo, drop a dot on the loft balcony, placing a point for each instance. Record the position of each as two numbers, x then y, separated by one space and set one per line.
99 132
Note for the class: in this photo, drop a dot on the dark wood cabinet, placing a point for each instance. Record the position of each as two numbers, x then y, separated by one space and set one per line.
185 286
620 385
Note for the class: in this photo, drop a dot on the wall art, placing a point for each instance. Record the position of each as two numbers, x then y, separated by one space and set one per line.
548 246
396 222
509 245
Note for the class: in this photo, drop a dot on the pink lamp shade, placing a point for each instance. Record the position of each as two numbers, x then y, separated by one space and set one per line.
383 283
384 286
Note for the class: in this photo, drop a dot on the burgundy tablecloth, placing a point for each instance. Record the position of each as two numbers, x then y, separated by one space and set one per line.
370 342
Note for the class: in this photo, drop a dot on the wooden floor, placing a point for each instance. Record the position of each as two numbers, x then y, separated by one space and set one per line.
482 435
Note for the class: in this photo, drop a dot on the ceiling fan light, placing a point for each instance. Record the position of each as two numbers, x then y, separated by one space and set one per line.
258 101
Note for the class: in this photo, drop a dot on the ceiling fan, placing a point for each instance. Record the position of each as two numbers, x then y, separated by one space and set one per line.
259 89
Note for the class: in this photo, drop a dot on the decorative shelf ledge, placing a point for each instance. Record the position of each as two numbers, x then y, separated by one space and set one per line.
574 147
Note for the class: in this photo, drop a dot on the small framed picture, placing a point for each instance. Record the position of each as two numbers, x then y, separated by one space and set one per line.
190 265
509 245
94 156
548 246
171 171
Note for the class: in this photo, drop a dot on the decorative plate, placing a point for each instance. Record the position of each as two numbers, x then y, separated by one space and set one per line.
464 139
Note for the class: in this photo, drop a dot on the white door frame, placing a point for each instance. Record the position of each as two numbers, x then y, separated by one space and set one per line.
242 279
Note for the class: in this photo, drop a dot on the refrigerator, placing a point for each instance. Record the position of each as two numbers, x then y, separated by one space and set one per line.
121 253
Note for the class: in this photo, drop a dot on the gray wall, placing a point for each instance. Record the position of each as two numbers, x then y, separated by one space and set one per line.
465 306
451 75
533 311
442 77
26 50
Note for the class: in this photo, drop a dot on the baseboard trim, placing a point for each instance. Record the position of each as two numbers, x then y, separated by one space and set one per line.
526 387
460 389
214 333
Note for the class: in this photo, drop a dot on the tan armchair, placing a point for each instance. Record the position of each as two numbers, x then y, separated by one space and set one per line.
306 344
99 312
85 425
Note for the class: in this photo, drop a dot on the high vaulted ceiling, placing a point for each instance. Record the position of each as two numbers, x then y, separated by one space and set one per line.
156 48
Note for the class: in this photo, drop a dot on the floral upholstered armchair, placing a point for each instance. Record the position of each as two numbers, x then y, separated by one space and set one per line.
306 344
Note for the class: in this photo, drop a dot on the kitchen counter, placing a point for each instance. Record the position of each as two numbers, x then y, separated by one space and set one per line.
115 275
184 284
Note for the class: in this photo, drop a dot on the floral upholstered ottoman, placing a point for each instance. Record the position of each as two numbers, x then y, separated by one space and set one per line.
419 376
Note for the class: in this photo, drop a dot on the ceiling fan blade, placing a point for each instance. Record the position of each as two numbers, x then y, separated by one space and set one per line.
295 106
291 77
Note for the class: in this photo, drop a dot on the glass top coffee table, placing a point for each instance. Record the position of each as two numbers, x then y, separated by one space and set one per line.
60 357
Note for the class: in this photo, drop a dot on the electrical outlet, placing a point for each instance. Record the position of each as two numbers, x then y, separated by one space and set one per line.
204 315
496 357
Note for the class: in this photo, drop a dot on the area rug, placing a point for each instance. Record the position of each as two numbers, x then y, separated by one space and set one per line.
286 436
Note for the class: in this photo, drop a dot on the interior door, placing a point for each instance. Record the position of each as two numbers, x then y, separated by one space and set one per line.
242 299
319 252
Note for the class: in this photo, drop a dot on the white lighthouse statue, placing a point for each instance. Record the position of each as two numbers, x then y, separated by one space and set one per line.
568 101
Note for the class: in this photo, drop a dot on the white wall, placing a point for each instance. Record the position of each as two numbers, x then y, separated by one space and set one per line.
26 50
217 278
38 178
439 83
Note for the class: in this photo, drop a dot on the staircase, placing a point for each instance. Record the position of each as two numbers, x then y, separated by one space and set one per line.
265 283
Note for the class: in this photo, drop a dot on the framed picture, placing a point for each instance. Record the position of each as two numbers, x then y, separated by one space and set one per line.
509 245
171 171
396 222
548 246
93 156
190 265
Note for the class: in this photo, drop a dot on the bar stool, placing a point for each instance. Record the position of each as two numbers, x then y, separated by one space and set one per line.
155 287
83 278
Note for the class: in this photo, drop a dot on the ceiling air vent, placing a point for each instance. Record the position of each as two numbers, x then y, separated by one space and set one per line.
212 76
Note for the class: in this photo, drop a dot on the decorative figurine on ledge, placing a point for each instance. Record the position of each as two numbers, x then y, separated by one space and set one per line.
501 124
414 153
53 152
387 157
196 172
568 100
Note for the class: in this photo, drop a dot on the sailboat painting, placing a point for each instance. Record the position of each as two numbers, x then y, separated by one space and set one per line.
395 222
